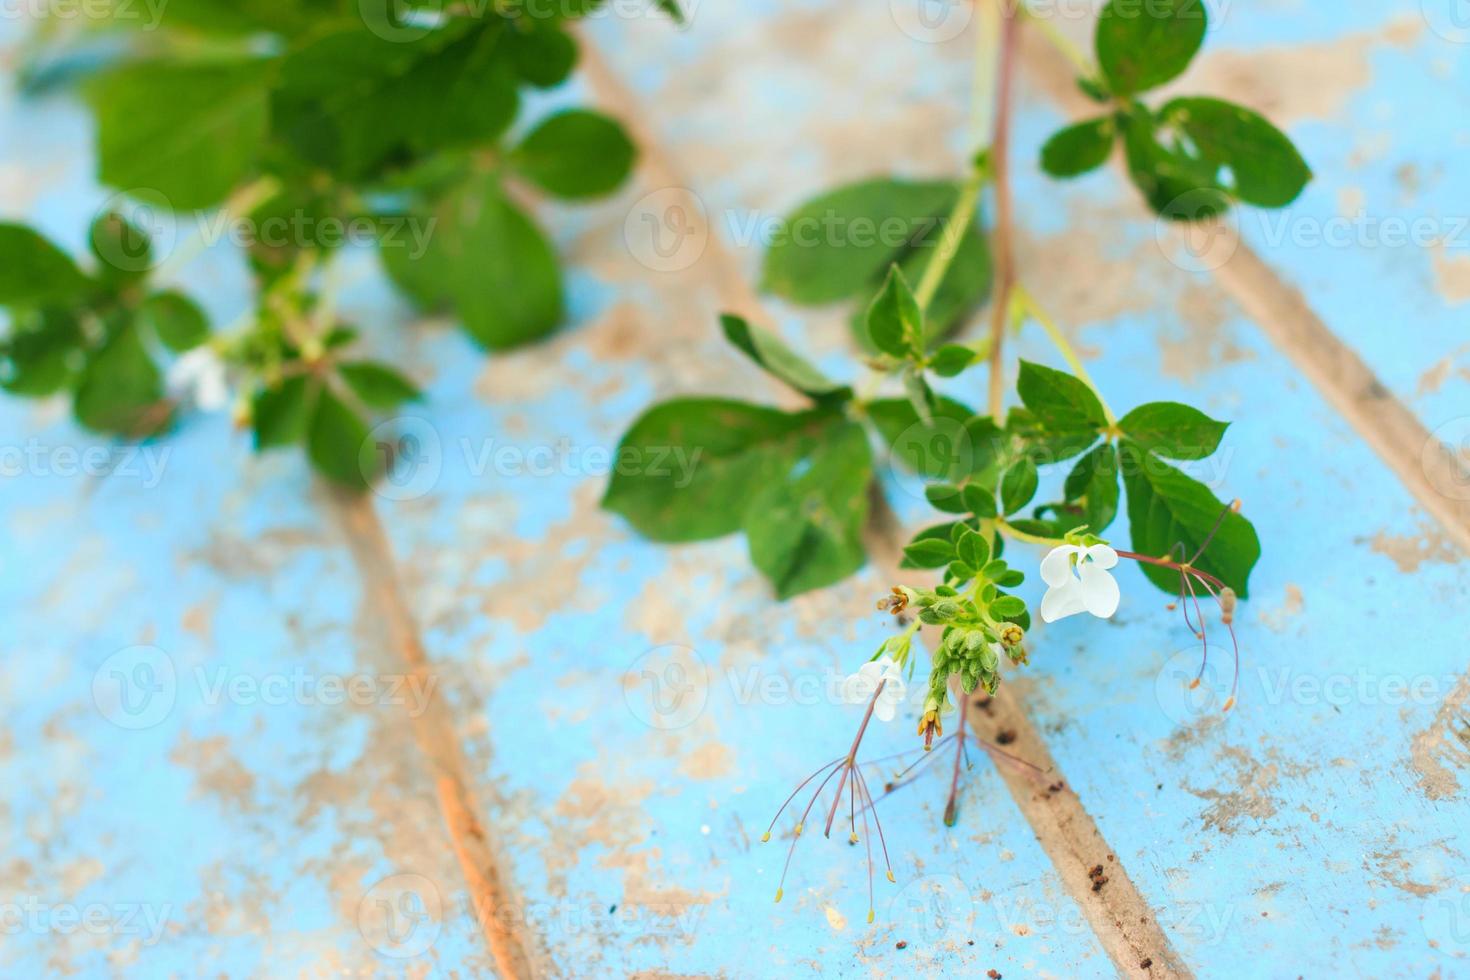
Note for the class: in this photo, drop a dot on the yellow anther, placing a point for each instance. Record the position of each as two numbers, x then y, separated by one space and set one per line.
870 916
891 878
765 837
779 893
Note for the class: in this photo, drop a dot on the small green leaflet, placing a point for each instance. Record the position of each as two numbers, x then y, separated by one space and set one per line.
121 389
1166 507
487 261
1059 401
895 322
377 385
840 244
576 154
687 468
1264 166
1018 485
1172 430
1078 148
337 442
805 529
1144 43
188 132
175 320
34 272
1093 485
780 360
279 414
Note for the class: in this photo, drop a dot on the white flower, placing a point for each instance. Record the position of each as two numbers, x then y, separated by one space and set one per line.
199 377
858 688
1077 581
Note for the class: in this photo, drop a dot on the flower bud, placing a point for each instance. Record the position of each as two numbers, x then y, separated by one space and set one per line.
1011 635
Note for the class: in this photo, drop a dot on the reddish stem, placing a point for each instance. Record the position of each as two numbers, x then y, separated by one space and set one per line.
852 756
1001 239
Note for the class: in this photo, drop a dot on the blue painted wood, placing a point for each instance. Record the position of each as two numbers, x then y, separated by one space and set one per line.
1293 836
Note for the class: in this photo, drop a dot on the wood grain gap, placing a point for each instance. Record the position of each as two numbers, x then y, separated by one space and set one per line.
1124 923
435 733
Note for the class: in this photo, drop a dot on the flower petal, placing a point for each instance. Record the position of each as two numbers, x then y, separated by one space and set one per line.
1102 556
1056 567
884 709
1063 600
856 689
1099 591
894 691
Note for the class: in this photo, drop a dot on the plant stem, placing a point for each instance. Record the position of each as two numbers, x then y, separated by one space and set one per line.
242 201
950 237
851 759
1059 41
1059 340
1000 168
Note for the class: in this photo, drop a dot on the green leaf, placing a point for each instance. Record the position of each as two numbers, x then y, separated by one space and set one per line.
895 322
175 320
356 103
33 271
1167 507
973 549
576 154
189 132
378 385
805 528
487 261
687 469
124 252
951 359
1059 401
1172 430
336 442
1005 606
544 55
1018 485
1144 43
1176 185
777 358
939 450
671 7
946 497
1026 435
928 553
840 244
1093 483
1265 168
121 389
979 500
278 414
36 357
1078 148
